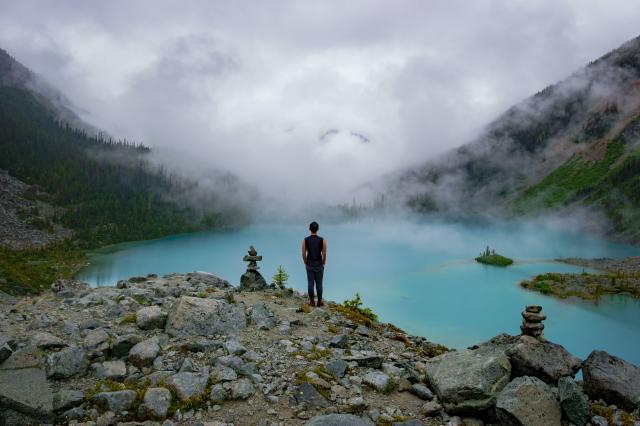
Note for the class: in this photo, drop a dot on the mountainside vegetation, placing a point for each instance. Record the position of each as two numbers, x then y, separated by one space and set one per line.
111 194
574 145
102 190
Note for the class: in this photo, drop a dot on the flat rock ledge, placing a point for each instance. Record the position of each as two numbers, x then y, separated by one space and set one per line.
193 349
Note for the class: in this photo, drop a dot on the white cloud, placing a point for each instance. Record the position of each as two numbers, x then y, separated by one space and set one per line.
251 86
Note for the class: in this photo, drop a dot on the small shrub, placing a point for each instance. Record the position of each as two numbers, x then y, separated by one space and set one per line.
280 278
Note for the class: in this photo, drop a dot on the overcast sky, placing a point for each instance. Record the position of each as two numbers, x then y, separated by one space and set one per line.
300 96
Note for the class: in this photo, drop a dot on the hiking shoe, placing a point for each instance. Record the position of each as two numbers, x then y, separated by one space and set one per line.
320 303
312 303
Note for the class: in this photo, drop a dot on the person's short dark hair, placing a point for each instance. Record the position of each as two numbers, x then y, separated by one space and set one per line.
313 227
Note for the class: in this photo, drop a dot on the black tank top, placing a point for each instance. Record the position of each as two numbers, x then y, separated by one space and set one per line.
314 250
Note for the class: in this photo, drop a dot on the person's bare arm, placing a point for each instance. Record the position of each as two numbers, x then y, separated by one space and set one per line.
304 252
324 252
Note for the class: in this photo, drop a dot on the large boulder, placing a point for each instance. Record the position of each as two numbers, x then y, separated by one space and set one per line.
242 389
188 385
43 340
573 401
143 353
191 316
262 316
252 280
111 370
468 380
544 360
528 401
7 346
207 279
307 394
612 379
69 362
26 392
117 401
150 317
157 402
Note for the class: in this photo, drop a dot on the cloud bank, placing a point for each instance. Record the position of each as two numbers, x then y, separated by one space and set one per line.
306 100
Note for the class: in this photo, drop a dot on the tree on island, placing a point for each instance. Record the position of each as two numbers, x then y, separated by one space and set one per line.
280 278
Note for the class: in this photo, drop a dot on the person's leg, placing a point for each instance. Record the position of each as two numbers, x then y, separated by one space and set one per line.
310 279
319 276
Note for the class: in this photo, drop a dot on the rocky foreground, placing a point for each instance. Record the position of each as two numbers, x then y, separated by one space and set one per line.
192 349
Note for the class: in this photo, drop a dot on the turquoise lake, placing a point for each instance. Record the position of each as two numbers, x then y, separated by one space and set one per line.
419 276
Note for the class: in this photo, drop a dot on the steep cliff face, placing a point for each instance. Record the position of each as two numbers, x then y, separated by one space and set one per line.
566 146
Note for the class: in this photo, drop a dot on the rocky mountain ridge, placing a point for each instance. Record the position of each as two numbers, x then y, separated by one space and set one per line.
192 349
548 153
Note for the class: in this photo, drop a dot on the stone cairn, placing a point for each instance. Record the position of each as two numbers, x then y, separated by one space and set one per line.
252 279
532 322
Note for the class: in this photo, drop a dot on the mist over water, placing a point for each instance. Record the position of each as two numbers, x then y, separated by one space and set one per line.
420 276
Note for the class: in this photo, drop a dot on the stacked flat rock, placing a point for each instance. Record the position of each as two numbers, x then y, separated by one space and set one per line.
252 279
532 322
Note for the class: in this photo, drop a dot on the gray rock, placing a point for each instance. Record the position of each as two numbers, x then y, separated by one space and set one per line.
123 344
468 380
7 346
363 330
431 408
366 361
157 402
204 345
192 316
251 281
544 360
113 370
421 391
612 379
218 393
150 317
528 401
338 420
573 401
412 422
67 398
45 340
340 341
188 385
337 368
69 362
117 401
75 413
307 394
143 353
96 340
157 377
25 392
234 347
377 380
262 316
223 373
107 419
187 366
208 279
599 421
242 389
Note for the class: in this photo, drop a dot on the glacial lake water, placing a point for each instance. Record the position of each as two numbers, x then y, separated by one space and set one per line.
419 276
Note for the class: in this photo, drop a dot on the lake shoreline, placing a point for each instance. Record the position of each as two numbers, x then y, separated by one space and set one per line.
191 347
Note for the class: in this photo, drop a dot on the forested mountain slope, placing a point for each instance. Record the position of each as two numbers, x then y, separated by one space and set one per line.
574 145
109 191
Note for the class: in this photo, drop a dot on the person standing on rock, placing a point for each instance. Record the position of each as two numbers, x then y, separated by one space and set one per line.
314 256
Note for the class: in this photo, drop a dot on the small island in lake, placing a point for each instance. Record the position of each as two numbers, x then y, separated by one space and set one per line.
616 276
490 257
